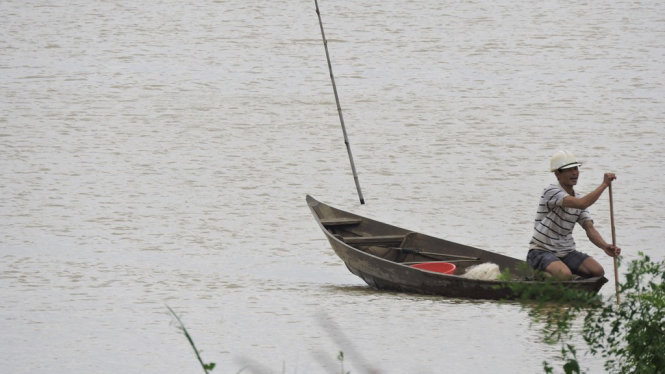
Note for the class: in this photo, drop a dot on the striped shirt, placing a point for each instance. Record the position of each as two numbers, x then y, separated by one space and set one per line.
554 223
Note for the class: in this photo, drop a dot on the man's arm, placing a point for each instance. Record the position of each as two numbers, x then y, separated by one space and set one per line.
595 238
590 198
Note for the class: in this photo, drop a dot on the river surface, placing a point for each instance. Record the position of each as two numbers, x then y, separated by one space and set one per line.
159 153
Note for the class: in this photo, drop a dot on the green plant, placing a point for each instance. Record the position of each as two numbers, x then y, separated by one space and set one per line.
628 335
340 357
569 357
206 366
211 365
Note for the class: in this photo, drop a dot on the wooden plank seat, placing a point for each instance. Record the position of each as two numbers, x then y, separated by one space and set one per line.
340 221
374 240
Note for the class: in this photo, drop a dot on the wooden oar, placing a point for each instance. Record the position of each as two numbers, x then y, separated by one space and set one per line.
429 254
614 242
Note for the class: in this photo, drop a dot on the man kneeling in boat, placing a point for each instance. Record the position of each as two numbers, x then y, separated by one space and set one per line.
552 247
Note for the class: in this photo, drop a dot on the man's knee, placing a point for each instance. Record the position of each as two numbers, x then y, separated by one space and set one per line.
559 270
599 272
591 267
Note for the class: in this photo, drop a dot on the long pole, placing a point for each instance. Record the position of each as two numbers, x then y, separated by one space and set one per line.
339 107
614 242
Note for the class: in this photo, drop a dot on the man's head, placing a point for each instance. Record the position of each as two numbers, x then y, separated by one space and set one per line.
565 166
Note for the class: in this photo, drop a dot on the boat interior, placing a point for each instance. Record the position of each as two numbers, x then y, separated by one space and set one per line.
405 247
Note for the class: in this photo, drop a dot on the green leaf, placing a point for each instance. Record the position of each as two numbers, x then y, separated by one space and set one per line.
571 367
209 366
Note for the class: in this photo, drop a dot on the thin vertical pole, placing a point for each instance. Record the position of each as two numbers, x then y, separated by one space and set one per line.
614 242
339 107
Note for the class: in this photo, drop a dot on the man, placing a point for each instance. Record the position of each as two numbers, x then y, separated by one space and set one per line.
552 247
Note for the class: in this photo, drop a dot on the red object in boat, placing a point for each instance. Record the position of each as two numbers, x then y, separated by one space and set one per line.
439 267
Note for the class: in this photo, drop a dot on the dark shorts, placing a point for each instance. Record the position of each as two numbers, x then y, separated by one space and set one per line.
539 259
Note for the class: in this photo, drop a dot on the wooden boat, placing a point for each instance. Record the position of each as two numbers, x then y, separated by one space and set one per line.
382 256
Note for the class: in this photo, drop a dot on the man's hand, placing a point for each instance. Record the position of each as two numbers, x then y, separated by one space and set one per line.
612 250
608 178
